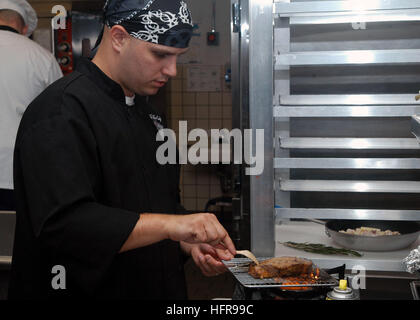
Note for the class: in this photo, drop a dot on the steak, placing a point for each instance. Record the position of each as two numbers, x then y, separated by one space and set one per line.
280 267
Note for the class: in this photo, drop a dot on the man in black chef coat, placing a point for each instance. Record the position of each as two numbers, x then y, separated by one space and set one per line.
96 213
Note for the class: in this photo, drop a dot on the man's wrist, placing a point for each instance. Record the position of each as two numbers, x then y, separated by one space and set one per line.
186 247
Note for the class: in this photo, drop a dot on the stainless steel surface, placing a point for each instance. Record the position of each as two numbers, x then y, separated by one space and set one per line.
415 287
398 100
298 231
350 17
359 94
7 231
85 30
5 261
282 125
346 111
350 143
351 186
236 17
240 108
347 57
356 214
323 7
415 127
260 109
347 163
239 268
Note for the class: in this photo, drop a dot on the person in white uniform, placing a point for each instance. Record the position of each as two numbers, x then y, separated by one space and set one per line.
26 70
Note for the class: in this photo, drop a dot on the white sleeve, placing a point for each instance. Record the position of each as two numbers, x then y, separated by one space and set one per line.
55 72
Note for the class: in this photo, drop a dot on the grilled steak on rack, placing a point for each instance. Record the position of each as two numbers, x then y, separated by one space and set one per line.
280 267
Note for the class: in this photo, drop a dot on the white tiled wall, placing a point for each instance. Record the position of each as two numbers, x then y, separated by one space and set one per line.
204 110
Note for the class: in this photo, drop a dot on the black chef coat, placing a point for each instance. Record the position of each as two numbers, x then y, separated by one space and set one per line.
84 168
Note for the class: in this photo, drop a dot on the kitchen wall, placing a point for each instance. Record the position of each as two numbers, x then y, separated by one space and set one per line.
202 109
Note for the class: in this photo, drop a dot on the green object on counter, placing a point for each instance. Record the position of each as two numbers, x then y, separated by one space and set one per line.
320 248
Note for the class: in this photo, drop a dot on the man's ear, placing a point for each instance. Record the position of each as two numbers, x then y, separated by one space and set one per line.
24 30
119 37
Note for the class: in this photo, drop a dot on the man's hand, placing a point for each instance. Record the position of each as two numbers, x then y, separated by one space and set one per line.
208 258
199 228
203 228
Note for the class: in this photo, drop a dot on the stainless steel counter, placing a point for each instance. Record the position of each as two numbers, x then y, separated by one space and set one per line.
298 231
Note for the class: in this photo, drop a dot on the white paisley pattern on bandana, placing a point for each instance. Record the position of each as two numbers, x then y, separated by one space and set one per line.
168 21
184 14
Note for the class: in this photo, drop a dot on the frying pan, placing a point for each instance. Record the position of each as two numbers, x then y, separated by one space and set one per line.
409 230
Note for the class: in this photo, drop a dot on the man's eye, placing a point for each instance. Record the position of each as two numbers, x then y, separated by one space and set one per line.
160 55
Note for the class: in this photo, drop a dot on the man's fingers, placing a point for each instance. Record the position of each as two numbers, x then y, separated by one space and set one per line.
210 266
213 234
228 243
216 266
203 228
223 253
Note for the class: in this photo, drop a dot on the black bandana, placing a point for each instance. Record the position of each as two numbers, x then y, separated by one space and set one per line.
165 22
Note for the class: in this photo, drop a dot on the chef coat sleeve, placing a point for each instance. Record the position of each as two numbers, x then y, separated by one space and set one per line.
57 160
55 72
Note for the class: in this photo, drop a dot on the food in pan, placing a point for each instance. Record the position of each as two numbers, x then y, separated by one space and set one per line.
280 267
370 232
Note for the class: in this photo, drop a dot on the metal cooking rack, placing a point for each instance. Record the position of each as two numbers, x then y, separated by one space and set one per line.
239 268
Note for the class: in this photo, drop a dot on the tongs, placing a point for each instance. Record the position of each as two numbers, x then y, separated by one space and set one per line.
248 254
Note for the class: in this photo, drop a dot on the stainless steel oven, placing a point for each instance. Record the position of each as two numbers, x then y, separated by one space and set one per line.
333 84
78 39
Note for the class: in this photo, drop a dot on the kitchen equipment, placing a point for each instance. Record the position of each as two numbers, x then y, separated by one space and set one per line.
334 92
342 292
415 289
284 293
248 254
77 40
316 278
410 230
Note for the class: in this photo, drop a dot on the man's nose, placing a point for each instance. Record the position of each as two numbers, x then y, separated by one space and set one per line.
170 67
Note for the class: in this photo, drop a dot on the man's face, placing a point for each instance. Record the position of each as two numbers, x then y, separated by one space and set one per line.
146 67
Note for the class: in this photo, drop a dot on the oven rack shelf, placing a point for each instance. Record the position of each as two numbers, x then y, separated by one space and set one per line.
350 143
290 9
351 17
351 214
347 163
345 111
394 100
415 127
364 186
346 57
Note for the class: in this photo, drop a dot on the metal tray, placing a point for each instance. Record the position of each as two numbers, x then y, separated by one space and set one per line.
239 268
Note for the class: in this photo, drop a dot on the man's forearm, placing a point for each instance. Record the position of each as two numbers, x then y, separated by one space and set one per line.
149 229
188 229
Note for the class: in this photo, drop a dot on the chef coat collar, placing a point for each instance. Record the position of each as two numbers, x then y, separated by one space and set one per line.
7 28
109 86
